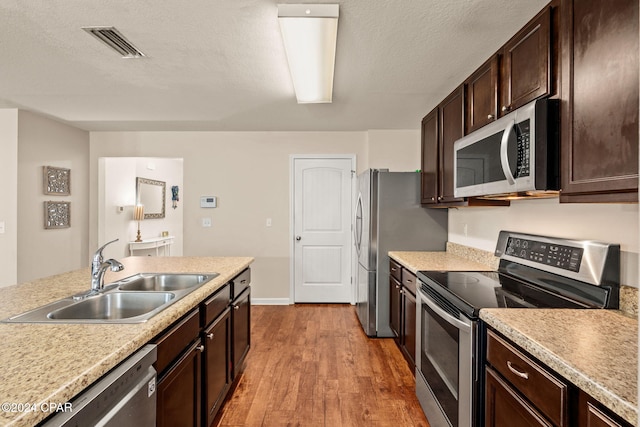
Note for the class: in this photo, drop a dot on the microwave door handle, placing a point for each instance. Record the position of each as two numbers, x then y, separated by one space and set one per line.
504 157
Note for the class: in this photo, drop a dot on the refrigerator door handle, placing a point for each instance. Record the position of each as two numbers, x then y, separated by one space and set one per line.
357 224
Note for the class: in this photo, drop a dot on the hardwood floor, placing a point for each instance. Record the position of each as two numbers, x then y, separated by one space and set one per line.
312 365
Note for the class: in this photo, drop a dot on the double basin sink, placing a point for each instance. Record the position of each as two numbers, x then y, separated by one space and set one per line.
132 300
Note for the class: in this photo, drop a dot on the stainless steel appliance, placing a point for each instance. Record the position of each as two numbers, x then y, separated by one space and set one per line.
124 397
515 155
388 217
534 271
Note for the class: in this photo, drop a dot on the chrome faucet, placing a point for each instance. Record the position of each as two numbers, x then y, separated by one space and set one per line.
99 267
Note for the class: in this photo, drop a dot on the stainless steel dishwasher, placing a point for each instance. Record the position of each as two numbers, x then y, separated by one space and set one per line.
124 397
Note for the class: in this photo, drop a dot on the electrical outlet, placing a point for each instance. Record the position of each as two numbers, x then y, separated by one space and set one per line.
206 222
268 222
1 227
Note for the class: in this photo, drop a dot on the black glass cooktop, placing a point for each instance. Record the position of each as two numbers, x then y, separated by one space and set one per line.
470 291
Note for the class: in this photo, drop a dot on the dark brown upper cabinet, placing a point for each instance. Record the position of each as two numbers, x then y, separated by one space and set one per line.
599 110
451 129
429 163
482 95
525 72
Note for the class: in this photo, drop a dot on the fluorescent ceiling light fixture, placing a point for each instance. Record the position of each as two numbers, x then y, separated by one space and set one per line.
309 32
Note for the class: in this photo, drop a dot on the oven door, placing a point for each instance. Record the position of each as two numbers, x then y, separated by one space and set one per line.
446 377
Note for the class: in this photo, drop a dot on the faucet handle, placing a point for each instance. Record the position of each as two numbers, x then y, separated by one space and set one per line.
97 256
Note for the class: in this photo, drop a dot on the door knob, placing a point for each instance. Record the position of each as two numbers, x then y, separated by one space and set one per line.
298 238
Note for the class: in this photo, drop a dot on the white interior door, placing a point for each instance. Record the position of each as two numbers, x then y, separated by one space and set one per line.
322 192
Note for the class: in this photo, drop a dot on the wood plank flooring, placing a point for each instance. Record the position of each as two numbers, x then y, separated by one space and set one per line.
312 365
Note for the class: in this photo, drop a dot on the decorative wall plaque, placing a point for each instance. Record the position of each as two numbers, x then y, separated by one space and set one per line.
57 181
57 214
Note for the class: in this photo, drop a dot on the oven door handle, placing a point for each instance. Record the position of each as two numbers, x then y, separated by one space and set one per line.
444 315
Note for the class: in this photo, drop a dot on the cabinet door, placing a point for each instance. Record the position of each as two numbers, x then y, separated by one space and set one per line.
482 95
429 150
526 64
217 363
394 308
179 391
505 408
592 414
409 327
600 101
241 330
451 129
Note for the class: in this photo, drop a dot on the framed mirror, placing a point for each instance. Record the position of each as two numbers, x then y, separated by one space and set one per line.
151 195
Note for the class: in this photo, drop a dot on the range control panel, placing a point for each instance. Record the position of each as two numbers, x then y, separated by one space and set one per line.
560 256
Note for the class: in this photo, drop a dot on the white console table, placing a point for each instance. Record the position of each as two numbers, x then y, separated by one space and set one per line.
153 243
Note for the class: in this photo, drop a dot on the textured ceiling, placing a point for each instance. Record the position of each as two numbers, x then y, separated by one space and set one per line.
220 64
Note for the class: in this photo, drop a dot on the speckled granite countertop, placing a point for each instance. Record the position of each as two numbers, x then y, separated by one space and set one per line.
416 261
51 363
597 350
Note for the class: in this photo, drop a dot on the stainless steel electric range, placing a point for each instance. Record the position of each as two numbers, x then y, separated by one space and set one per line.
534 272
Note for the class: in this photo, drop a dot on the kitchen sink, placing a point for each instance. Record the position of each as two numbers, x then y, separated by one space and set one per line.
114 306
164 282
134 299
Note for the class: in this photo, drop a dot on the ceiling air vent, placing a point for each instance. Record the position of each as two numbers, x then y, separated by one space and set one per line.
115 40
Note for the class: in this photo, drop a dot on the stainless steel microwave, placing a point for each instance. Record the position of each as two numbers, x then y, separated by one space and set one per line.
515 156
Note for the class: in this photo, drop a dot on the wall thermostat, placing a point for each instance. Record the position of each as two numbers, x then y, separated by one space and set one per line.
208 202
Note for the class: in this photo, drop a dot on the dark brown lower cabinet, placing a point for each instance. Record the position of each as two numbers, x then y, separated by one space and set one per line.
201 355
217 362
179 391
240 330
395 308
409 327
505 408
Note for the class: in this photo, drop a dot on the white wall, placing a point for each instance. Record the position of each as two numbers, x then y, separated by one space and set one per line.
9 198
396 150
249 173
612 223
117 187
46 142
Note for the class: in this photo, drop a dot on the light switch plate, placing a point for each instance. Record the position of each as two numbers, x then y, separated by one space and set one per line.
1 227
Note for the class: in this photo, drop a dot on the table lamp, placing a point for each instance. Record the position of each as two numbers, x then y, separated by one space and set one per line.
138 215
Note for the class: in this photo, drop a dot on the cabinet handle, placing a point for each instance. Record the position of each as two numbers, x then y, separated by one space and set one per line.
433 198
394 269
439 197
516 371
402 291
490 117
506 108
243 281
409 281
397 286
201 348
236 307
210 336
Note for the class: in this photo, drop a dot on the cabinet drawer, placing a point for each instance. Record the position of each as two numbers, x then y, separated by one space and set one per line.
240 283
541 388
409 280
395 270
216 304
172 342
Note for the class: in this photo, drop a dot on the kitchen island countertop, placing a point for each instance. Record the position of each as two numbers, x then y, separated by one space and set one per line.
45 364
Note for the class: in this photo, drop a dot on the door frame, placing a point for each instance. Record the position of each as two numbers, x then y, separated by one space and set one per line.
292 159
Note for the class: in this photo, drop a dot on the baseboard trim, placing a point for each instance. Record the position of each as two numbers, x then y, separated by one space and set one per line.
269 301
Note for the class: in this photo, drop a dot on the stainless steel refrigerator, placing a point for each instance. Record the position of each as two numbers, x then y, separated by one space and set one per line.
389 217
